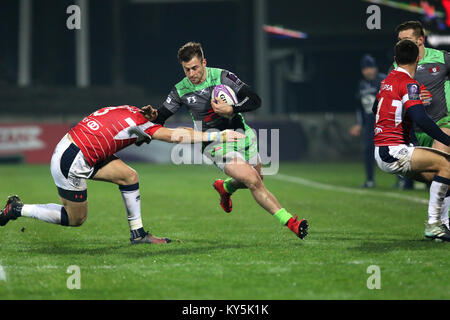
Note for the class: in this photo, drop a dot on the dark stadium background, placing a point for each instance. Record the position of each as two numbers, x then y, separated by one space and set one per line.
133 46
226 258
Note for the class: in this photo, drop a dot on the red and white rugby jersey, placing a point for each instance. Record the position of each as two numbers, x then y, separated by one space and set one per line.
398 92
109 130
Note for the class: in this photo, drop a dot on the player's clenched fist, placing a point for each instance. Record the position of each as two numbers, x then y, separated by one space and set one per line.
425 95
221 107
149 113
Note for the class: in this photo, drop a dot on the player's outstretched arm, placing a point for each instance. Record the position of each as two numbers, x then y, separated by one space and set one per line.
188 135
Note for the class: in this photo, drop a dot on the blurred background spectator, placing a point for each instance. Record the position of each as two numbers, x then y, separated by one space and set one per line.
366 93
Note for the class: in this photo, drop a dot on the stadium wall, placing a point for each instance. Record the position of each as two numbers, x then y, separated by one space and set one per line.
297 137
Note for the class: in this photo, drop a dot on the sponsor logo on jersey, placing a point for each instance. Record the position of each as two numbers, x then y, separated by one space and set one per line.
434 70
378 130
413 91
387 87
191 99
420 68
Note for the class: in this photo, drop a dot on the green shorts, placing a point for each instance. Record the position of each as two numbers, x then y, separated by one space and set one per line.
246 149
425 140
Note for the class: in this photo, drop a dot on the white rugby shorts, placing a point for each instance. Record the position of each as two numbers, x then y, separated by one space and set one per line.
394 159
70 170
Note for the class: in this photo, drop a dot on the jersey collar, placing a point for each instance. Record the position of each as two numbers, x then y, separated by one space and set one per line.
403 70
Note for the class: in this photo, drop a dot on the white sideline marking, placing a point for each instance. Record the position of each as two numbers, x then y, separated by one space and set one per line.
2 273
53 267
330 187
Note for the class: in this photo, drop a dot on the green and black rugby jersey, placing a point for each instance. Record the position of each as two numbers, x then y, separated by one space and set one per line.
197 98
433 72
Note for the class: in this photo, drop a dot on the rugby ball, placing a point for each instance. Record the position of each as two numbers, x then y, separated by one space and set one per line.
225 93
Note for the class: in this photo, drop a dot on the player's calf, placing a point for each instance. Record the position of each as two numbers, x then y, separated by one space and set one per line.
252 181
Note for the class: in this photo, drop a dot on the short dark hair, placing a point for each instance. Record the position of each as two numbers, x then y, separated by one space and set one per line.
406 52
415 25
189 51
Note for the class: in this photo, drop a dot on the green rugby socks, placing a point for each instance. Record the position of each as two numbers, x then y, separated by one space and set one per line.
283 216
227 185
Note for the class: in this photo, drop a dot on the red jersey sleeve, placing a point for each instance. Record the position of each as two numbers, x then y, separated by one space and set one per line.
151 130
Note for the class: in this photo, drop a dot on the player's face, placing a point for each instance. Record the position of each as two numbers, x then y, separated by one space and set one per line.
409 34
195 70
369 72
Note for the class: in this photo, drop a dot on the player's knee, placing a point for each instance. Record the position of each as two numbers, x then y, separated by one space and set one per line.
443 167
76 219
443 173
132 177
253 181
446 169
128 178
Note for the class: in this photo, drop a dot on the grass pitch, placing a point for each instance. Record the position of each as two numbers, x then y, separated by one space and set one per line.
242 255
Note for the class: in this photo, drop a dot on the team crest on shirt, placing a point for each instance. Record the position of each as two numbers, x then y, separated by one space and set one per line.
434 70
413 91
75 181
403 152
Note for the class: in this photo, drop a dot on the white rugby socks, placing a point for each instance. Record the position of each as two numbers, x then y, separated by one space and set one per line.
438 190
50 212
445 209
132 200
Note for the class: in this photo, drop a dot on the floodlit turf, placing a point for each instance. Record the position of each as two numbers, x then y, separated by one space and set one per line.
242 255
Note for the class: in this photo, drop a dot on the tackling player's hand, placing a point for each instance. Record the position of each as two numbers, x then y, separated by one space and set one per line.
221 108
425 95
149 113
231 136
